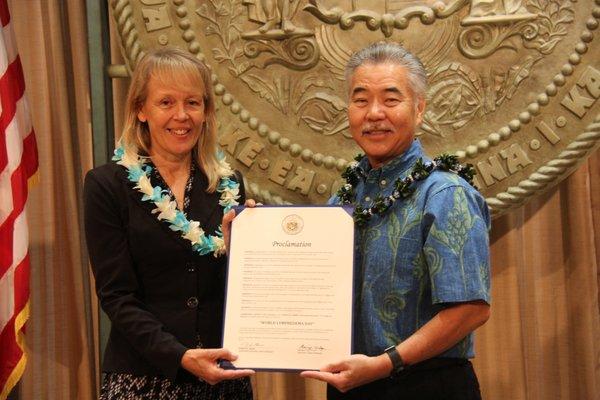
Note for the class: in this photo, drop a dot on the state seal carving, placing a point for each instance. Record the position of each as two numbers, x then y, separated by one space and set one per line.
513 84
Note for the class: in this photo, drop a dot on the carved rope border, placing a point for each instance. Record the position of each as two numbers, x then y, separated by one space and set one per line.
552 172
514 196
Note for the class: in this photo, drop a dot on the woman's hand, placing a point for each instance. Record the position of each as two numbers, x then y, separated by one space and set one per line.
203 363
228 218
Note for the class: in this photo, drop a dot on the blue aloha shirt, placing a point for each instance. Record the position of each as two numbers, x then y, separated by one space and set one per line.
427 252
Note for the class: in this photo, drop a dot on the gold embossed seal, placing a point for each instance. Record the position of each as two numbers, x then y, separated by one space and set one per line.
292 224
514 84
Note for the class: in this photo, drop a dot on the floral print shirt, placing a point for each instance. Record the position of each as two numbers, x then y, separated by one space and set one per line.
427 252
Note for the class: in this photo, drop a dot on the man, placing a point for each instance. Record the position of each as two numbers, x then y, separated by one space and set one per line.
422 278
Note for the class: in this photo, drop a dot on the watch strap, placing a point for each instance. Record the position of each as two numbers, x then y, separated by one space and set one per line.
397 363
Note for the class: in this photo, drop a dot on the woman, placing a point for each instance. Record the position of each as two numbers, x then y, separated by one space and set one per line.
152 222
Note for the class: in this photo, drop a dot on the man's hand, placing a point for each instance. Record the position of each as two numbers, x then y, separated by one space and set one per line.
203 364
228 218
352 372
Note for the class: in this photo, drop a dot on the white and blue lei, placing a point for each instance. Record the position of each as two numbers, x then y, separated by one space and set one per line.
166 207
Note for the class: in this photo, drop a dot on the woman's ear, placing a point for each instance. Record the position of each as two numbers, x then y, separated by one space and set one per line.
141 116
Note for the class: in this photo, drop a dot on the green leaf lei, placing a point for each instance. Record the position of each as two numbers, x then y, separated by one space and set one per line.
403 187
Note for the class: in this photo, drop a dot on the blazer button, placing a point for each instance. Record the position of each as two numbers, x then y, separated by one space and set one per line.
192 302
191 267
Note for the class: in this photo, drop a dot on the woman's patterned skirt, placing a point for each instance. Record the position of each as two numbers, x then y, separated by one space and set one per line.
120 386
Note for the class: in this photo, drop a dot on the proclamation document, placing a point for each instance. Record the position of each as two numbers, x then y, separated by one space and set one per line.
289 301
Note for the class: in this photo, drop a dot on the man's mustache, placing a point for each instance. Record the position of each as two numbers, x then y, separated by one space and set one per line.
376 127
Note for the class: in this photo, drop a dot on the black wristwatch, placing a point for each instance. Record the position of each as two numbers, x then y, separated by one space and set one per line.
397 363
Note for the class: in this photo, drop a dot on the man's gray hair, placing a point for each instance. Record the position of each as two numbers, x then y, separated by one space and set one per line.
383 52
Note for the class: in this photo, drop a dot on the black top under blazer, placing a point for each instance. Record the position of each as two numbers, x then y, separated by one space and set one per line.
162 297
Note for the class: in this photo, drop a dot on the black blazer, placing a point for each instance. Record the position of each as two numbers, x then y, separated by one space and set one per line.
161 297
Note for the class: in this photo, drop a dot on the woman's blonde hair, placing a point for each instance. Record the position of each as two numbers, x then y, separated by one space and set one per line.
174 66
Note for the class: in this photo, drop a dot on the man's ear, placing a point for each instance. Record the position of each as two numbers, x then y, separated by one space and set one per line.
420 111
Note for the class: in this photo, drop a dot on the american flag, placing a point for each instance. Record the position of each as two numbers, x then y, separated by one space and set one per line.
18 163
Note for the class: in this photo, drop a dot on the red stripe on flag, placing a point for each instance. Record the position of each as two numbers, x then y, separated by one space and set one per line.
29 160
4 14
3 153
12 87
6 238
10 354
19 190
22 284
